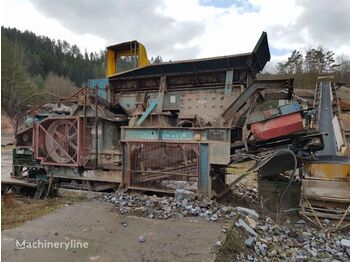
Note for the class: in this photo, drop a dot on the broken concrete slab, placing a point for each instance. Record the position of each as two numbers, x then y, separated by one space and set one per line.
245 227
248 212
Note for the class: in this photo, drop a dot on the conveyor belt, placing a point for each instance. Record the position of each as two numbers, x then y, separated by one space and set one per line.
325 118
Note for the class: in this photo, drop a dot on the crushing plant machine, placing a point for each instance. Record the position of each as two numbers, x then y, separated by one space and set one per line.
157 127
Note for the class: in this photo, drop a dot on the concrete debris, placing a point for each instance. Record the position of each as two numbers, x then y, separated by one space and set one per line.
345 243
251 222
183 194
289 242
178 184
249 242
245 227
248 193
183 204
249 212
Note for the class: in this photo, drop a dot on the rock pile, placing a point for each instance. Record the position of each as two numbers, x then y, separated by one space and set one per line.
265 240
298 241
182 204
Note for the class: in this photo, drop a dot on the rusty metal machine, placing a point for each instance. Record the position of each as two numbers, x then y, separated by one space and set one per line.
160 127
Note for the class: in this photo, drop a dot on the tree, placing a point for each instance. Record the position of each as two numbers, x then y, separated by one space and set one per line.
294 64
30 61
15 81
342 69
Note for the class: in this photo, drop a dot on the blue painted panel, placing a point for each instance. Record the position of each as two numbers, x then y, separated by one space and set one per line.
154 134
290 108
141 134
147 112
101 84
176 134
203 168
128 103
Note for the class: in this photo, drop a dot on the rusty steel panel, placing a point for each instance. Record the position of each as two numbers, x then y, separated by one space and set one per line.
159 166
58 141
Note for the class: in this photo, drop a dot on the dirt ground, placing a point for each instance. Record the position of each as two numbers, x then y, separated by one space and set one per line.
185 239
18 210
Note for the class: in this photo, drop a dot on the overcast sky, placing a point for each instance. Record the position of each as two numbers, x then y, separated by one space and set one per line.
184 29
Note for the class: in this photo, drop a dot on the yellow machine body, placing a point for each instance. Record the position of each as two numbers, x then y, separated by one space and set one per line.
132 49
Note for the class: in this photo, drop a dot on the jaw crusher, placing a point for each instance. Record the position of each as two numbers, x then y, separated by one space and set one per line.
157 127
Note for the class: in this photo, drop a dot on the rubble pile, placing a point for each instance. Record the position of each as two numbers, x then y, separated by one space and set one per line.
298 241
249 193
182 204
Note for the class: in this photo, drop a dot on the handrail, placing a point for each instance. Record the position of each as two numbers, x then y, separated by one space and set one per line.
71 98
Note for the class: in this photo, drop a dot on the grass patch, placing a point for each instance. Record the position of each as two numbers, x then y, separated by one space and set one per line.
19 211
232 245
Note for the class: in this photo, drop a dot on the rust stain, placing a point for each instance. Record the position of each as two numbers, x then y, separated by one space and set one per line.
345 119
329 171
344 104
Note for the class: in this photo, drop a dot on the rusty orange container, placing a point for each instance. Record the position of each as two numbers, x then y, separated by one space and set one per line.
277 127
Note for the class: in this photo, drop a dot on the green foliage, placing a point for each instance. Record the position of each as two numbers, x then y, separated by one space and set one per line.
15 80
29 62
306 66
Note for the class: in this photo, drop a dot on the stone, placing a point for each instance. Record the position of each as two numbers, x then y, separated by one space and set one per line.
248 212
348 252
251 222
313 252
273 253
249 242
300 258
141 239
124 224
269 220
214 217
326 221
218 243
345 243
292 233
246 228
264 228
181 194
261 248
276 230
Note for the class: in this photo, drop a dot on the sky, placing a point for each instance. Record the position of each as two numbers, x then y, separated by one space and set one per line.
187 29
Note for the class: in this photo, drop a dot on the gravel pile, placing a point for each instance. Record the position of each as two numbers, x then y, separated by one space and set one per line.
298 241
